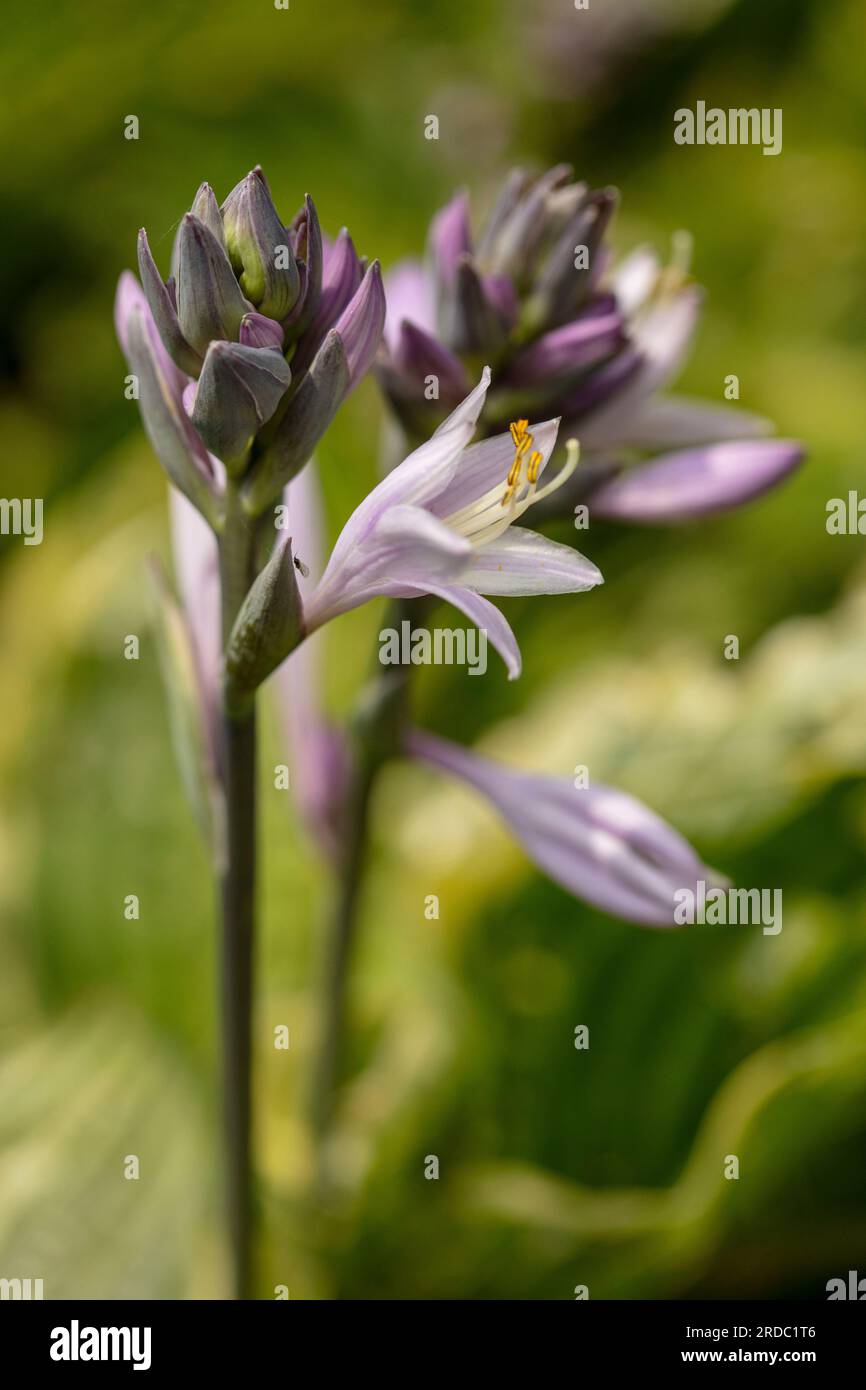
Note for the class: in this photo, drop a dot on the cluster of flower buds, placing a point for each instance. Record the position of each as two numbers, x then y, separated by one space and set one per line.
244 354
568 333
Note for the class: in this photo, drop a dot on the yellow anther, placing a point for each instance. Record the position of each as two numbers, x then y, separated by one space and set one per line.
535 463
522 444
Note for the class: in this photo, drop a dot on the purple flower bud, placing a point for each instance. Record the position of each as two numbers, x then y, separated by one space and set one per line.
514 189
164 312
469 322
309 413
259 247
562 285
450 239
361 324
341 277
258 331
568 351
418 356
603 384
310 258
520 233
499 291
209 300
238 391
206 208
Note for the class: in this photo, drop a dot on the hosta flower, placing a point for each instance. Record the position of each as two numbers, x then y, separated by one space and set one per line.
244 353
568 334
599 844
443 523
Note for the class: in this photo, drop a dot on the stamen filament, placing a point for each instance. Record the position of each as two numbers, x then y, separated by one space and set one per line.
482 521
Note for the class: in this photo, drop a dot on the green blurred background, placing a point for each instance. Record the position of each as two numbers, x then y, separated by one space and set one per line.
557 1167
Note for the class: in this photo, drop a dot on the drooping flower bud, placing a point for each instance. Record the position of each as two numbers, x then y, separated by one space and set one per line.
209 300
238 391
259 247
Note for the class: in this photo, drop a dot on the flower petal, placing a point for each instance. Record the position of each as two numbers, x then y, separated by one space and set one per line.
635 277
570 349
130 296
487 617
662 335
361 323
522 562
409 544
409 296
422 475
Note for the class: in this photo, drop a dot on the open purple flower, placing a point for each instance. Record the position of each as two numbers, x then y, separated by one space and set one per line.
443 523
568 334
599 844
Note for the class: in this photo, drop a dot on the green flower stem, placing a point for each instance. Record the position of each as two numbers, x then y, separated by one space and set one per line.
378 729
237 899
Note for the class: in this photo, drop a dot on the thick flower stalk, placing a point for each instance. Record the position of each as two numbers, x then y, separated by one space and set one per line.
240 358
568 333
